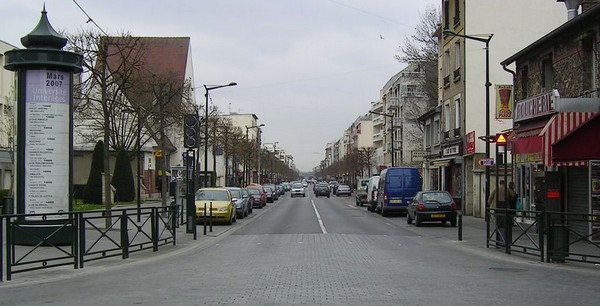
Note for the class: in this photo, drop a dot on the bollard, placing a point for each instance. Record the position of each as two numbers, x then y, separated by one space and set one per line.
204 219
460 227
211 217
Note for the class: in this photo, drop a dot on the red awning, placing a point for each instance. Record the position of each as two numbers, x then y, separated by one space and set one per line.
580 145
527 140
558 127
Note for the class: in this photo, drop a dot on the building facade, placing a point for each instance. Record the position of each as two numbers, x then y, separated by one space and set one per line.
463 65
555 138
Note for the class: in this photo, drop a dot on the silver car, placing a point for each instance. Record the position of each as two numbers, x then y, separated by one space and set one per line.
298 190
241 198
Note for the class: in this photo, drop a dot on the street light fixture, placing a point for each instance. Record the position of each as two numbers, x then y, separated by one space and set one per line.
247 167
487 99
392 128
208 88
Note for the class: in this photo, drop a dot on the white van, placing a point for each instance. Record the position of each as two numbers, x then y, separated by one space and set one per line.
372 193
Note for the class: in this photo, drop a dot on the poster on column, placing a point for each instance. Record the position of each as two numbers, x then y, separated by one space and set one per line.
595 199
46 157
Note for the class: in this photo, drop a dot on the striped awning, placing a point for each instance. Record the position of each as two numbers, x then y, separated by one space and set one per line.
557 127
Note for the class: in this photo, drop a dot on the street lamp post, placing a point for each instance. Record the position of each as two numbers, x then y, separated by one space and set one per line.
208 88
392 128
487 101
246 166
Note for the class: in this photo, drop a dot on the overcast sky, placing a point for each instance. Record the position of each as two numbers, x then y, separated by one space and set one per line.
306 68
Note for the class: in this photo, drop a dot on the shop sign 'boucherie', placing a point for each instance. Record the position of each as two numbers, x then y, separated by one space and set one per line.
535 106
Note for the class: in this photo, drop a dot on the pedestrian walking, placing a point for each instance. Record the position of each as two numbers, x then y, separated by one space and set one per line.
500 199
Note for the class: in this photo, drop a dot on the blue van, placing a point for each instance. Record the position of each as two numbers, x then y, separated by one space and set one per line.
397 188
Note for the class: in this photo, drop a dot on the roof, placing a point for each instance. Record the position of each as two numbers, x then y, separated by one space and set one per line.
572 26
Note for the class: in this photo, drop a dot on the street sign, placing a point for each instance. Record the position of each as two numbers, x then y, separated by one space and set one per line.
501 139
488 162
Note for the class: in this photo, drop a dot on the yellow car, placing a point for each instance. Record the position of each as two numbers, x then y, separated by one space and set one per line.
223 208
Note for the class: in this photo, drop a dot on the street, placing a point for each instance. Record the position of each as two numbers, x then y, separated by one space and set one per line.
322 251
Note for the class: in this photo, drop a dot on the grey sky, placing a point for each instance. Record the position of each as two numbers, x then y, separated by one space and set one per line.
306 68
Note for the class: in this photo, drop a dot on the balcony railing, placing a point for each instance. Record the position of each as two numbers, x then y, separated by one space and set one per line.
456 133
457 74
392 103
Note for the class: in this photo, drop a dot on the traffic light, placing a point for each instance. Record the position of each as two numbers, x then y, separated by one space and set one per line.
191 131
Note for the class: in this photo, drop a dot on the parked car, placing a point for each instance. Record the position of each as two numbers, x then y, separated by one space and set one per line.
270 193
436 206
297 190
343 190
361 191
275 191
322 189
397 187
258 194
219 205
372 193
241 198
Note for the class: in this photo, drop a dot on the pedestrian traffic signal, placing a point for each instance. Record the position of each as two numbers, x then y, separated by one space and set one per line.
191 131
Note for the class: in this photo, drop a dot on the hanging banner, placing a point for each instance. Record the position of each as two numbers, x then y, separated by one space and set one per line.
504 101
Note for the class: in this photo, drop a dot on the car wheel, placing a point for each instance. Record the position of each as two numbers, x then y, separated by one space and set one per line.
327 196
230 222
408 219
453 222
417 220
234 218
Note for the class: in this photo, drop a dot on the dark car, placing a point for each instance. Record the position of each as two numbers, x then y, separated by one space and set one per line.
274 192
343 190
436 206
259 195
322 189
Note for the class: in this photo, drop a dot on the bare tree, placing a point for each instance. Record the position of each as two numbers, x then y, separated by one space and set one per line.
102 89
422 48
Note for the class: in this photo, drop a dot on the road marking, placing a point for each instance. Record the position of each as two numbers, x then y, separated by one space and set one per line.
318 217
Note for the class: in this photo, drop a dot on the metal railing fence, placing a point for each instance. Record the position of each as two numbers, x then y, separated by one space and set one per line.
550 236
75 238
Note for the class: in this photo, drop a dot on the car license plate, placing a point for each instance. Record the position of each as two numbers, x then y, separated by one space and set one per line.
438 215
396 201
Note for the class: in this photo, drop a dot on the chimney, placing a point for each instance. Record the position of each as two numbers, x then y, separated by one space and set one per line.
572 7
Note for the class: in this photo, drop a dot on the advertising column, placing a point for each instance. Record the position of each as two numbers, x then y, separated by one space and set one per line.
44 155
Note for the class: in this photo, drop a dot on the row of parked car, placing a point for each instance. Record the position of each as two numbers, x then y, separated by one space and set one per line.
398 189
227 204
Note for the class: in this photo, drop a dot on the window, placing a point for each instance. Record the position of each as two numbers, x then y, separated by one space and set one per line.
446 63
411 90
456 13
547 74
524 82
446 15
428 135
457 112
447 113
436 130
587 62
457 58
